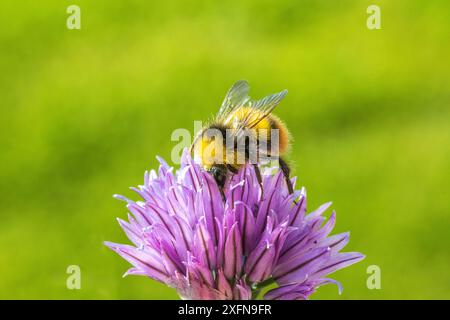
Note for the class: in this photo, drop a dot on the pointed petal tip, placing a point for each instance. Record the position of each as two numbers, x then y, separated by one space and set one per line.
120 197
160 159
340 287
111 245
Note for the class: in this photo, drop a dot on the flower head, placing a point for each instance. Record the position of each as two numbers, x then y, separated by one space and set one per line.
185 235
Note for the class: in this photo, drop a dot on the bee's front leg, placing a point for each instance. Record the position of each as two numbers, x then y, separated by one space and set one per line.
222 193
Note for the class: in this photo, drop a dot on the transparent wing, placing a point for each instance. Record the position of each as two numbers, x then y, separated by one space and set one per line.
236 97
255 111
260 109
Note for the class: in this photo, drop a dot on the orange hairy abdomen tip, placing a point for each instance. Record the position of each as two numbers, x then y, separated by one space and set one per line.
284 136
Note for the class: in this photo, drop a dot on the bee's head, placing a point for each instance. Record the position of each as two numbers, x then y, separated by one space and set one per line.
209 147
219 172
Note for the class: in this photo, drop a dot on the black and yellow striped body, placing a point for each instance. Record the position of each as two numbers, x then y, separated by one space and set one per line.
213 151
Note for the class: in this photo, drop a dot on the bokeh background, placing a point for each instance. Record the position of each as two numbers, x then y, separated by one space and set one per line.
84 112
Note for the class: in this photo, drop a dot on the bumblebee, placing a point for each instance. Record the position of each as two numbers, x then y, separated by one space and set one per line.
243 131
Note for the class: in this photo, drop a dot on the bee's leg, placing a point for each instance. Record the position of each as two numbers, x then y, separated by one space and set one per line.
219 172
259 178
286 171
222 193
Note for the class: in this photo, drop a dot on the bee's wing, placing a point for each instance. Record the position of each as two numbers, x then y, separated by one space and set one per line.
236 97
260 109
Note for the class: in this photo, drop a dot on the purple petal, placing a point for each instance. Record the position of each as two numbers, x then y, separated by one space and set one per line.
247 226
289 292
318 212
223 285
212 206
204 247
260 261
242 291
335 242
298 214
339 261
325 281
146 262
233 254
134 234
298 268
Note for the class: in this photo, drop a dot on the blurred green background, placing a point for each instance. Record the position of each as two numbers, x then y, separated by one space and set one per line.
84 112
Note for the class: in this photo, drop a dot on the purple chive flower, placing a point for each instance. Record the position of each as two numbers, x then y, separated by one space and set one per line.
187 237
